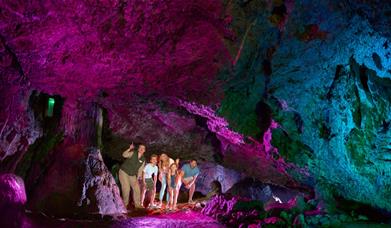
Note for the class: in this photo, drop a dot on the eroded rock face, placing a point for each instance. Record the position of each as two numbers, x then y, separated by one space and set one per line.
150 47
12 189
12 200
162 127
99 187
308 81
211 172
255 190
326 84
62 184
208 138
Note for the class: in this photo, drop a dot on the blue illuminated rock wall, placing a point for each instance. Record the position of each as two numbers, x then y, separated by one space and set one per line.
324 76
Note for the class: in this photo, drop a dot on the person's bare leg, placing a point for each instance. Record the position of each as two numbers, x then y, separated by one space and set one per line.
143 196
152 199
191 193
176 193
170 203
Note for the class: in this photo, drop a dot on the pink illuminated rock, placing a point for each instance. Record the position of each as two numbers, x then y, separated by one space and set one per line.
220 205
258 157
222 208
12 191
100 194
77 48
12 201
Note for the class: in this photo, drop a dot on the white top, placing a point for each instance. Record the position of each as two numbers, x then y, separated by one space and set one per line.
149 170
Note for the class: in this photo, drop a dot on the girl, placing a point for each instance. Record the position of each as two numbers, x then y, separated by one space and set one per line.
164 165
173 177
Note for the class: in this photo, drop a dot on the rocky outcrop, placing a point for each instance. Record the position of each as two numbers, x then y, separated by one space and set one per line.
212 172
100 194
12 189
256 190
323 79
12 200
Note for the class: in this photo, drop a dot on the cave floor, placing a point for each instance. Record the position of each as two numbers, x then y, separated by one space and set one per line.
185 216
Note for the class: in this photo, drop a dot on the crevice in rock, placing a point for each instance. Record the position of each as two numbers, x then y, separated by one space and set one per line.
377 60
264 116
363 77
35 161
337 75
15 60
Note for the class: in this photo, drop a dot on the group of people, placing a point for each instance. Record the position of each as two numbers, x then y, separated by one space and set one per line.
135 170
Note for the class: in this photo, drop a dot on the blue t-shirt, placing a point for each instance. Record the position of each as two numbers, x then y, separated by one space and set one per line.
189 172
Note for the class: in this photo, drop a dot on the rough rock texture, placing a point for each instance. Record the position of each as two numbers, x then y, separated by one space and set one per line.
236 149
12 200
211 172
99 185
219 206
208 138
308 81
255 190
113 45
62 183
12 189
79 181
324 77
163 127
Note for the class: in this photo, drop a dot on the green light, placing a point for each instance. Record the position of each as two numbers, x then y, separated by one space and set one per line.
51 102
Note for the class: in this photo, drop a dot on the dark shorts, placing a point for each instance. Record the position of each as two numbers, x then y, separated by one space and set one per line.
173 184
149 185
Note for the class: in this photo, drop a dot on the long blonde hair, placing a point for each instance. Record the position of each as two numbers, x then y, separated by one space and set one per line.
166 162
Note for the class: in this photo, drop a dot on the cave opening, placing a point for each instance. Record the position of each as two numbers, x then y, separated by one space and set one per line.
46 111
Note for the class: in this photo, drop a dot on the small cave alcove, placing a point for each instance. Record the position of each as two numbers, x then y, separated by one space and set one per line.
46 112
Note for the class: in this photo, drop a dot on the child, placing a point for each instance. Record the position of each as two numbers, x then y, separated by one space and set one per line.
164 165
149 184
173 177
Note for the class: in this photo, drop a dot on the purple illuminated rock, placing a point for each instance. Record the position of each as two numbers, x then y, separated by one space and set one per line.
12 201
111 45
100 194
167 129
259 157
211 172
12 191
220 205
222 208
79 182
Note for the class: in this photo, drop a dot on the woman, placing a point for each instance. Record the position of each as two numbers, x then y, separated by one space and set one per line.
164 165
173 177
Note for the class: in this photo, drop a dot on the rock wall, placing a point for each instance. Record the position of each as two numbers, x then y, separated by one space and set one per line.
295 83
323 73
